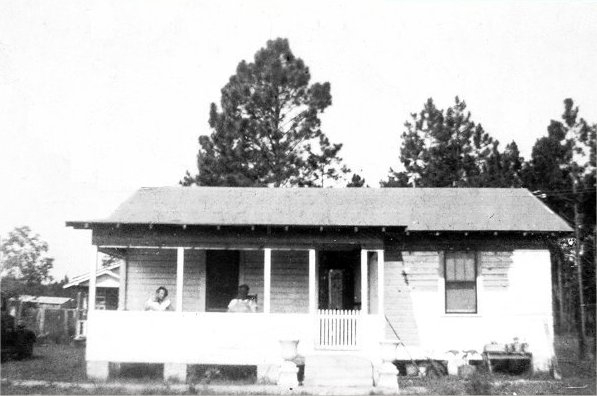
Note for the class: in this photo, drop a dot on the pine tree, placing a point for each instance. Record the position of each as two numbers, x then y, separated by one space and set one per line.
561 171
356 181
267 131
447 149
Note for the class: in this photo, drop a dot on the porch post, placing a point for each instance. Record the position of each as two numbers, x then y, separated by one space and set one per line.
312 284
179 277
97 370
267 278
92 279
122 287
364 283
380 283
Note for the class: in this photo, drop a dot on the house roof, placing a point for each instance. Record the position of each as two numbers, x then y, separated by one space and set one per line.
43 299
416 209
107 272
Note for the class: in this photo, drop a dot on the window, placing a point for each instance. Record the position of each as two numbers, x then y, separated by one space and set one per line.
460 274
100 302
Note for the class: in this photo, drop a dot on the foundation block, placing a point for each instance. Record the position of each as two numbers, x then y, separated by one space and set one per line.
98 370
175 372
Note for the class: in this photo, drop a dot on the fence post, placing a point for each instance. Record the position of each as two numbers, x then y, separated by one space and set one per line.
42 320
66 336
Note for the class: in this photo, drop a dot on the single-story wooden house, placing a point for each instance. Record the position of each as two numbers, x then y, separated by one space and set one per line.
449 269
107 284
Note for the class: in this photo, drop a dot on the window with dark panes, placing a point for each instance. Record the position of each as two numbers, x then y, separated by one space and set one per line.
460 274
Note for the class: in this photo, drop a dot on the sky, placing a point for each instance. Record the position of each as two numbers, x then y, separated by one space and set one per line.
100 98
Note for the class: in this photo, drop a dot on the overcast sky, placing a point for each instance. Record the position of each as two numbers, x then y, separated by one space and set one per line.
100 98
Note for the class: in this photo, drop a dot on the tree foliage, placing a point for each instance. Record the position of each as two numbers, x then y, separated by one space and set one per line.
24 257
356 181
448 149
267 131
563 157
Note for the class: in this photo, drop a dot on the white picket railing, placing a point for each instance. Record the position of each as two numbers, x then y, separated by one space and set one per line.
338 329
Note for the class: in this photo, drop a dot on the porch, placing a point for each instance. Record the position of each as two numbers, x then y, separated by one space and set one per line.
217 338
305 295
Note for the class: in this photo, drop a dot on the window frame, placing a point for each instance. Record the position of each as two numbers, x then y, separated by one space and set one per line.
473 282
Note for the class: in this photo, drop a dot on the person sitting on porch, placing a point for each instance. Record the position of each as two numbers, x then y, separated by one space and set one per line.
242 302
159 301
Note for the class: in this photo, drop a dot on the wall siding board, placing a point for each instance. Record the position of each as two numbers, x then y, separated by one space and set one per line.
421 270
149 269
399 308
290 281
494 269
252 269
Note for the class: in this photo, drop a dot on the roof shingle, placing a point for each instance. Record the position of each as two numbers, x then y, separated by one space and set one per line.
417 209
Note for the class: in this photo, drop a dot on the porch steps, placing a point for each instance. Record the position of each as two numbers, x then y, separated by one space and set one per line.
338 370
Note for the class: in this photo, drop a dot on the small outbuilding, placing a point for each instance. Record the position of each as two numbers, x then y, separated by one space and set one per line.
107 285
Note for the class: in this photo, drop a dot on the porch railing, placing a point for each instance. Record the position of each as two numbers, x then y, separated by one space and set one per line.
338 329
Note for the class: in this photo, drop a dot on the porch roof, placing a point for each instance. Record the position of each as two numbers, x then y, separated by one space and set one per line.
416 209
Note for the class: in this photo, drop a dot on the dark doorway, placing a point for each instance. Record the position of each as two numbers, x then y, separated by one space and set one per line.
337 279
221 280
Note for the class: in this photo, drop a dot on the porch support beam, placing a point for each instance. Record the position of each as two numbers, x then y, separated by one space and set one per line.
364 282
380 282
267 279
122 286
92 278
312 283
179 277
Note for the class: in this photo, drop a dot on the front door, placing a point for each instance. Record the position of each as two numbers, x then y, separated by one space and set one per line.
336 279
336 288
221 280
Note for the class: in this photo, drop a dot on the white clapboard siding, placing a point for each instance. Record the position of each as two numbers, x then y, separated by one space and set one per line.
251 273
193 293
399 307
338 329
494 269
149 269
290 281
421 269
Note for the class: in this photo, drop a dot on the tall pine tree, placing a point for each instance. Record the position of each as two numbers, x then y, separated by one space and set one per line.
447 149
562 172
267 131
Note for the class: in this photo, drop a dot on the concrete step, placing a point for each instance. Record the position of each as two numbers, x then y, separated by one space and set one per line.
338 370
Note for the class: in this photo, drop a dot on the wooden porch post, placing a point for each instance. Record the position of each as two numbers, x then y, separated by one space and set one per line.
312 283
364 282
122 286
380 282
179 277
92 279
267 278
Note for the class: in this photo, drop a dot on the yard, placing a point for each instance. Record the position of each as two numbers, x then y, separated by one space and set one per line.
64 365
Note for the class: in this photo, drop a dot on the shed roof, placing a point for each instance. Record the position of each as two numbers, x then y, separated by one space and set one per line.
50 300
106 272
416 209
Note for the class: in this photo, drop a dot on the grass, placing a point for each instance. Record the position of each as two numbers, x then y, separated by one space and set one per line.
578 378
497 384
49 363
64 363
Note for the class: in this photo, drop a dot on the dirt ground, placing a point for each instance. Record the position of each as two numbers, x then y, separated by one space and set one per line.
66 364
